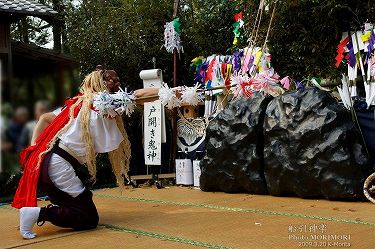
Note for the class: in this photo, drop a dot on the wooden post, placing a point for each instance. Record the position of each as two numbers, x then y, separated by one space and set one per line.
59 86
6 56
57 26
56 30
174 117
25 30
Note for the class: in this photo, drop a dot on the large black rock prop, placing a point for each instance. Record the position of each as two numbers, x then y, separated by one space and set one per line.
312 148
234 149
302 143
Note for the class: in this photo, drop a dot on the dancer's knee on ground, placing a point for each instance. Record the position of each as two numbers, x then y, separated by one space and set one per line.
88 222
82 218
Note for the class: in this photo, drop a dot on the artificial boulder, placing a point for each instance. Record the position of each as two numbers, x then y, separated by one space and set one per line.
312 148
234 148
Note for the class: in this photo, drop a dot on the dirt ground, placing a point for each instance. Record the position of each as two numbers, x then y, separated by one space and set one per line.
183 217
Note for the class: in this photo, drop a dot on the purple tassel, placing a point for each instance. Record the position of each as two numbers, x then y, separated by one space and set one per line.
237 61
201 73
300 86
371 42
351 58
251 62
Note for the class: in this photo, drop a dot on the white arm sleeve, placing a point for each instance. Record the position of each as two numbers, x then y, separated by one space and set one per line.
57 111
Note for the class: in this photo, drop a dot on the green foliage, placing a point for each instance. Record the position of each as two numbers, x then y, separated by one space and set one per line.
30 30
305 34
206 29
126 34
122 35
34 30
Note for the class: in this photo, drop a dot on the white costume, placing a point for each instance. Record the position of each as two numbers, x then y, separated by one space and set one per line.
72 205
106 137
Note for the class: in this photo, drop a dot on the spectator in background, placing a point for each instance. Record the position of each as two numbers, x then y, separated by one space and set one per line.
40 107
6 114
13 131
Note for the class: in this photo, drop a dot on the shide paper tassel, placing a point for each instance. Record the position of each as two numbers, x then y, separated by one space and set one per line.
172 34
356 49
168 97
191 96
111 105
344 92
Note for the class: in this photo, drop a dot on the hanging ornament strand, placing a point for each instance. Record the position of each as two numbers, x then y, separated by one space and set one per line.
255 30
251 35
237 26
269 26
261 6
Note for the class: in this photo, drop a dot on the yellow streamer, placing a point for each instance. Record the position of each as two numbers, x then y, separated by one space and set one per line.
366 37
258 55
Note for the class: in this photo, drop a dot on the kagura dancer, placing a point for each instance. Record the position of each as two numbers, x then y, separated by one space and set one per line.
63 141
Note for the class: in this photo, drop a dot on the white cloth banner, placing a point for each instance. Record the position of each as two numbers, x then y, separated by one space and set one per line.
154 78
152 132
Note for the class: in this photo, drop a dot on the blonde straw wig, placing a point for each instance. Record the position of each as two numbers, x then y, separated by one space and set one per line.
120 157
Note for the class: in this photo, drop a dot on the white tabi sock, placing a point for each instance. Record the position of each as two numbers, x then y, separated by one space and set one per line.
28 217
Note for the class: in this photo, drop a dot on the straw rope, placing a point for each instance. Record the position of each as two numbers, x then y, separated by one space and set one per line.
229 209
164 237
235 209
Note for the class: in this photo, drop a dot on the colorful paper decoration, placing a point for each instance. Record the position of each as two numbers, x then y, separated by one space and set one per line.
237 25
341 50
255 74
359 49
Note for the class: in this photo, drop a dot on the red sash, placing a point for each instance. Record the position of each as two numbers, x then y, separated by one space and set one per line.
26 192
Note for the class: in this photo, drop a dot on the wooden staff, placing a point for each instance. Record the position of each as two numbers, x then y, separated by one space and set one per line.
198 90
172 164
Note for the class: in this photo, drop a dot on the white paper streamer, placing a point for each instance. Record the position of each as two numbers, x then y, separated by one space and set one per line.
372 70
114 104
344 93
168 97
316 84
191 96
172 39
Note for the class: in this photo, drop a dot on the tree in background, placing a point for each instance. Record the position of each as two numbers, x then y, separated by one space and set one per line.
305 34
206 29
34 30
123 35
127 34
